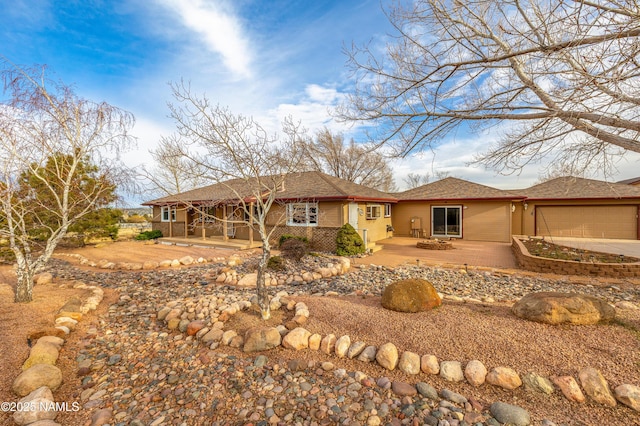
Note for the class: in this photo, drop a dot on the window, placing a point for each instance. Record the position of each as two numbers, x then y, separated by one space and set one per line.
446 221
373 211
164 214
302 214
387 210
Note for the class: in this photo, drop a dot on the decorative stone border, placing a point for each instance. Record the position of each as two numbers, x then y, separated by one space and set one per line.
136 266
182 316
434 245
569 267
40 376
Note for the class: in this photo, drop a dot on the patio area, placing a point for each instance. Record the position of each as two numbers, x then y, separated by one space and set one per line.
402 250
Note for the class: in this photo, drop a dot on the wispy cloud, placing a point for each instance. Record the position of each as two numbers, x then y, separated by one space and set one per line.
220 30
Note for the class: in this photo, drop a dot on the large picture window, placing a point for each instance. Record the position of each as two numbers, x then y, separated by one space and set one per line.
302 214
168 214
446 221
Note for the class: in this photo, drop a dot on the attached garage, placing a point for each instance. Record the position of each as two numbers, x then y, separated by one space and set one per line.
603 221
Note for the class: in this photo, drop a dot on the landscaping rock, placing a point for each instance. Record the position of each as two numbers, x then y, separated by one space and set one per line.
36 400
411 295
510 414
475 372
41 353
569 388
297 339
37 376
356 349
328 344
628 395
261 339
387 356
314 341
409 363
342 346
248 280
44 278
595 385
429 364
537 383
403 389
504 377
451 371
368 354
563 308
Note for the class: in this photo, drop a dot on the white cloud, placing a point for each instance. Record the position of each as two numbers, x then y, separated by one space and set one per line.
220 30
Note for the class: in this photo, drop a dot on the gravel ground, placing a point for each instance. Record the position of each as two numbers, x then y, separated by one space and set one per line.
136 373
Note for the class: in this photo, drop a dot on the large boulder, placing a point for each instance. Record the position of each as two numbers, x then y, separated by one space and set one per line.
563 308
37 376
411 295
258 339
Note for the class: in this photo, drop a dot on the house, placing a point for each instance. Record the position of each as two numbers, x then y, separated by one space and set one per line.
583 208
632 181
310 204
455 208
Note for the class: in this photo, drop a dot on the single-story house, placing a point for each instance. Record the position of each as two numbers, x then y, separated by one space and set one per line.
455 208
583 208
310 204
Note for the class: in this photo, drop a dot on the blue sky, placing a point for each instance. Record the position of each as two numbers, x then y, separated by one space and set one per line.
268 59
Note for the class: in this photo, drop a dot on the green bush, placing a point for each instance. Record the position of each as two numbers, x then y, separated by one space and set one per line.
276 263
149 235
294 249
348 242
285 237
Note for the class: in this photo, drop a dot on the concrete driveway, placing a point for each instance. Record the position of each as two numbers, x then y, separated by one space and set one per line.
626 247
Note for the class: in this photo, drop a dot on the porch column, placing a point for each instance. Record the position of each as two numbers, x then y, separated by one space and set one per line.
170 221
225 235
251 225
204 234
186 223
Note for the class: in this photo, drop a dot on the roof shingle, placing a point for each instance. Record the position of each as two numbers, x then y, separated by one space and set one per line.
451 188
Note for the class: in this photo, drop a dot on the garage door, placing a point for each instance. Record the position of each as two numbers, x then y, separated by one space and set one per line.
588 221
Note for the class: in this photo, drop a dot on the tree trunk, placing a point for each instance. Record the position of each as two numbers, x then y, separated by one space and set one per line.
263 295
24 286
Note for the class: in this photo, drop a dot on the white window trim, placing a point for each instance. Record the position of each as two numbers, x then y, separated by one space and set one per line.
446 234
387 210
370 211
166 209
307 215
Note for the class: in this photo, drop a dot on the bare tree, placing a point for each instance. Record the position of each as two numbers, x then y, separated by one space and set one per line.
562 78
238 153
329 154
55 168
172 173
414 180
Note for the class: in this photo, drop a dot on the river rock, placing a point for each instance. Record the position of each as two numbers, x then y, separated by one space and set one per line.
342 346
409 363
537 383
563 308
368 354
248 280
356 349
328 344
297 339
628 395
510 414
595 385
41 353
387 356
42 395
451 371
261 339
475 372
569 388
37 376
410 295
505 378
429 364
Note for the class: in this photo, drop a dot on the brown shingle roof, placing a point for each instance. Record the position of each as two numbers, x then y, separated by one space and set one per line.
574 188
456 189
632 181
297 186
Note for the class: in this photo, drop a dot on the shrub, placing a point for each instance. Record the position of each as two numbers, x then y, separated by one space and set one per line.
276 263
348 242
294 249
136 218
149 235
286 237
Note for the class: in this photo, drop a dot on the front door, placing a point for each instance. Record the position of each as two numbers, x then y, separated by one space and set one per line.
446 221
353 215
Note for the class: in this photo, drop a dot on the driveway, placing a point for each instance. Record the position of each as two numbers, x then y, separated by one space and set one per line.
625 247
403 250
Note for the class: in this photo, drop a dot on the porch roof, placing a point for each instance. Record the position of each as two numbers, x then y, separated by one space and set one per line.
297 186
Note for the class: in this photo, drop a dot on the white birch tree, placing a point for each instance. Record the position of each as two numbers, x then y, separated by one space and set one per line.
54 167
